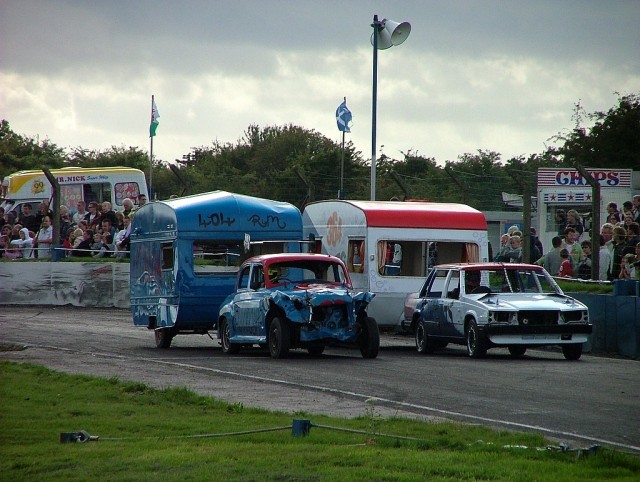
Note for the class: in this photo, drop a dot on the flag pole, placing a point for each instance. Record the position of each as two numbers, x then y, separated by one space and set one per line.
151 156
341 192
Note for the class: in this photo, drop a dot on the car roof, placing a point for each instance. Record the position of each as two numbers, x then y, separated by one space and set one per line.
484 266
271 258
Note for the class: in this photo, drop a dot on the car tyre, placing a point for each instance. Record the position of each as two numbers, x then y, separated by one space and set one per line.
369 338
163 337
424 343
517 351
279 338
225 339
476 343
572 351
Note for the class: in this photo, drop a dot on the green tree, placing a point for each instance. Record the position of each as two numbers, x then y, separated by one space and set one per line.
19 152
612 142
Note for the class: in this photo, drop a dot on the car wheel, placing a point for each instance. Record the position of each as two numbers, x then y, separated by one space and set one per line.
572 351
424 344
369 338
279 338
517 350
315 350
164 336
225 335
476 344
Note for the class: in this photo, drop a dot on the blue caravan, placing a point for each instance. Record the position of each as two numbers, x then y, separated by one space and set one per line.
185 255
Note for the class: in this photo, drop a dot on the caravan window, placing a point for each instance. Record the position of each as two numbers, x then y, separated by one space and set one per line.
356 256
167 255
415 258
212 257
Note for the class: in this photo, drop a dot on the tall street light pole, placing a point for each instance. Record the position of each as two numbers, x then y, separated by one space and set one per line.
386 33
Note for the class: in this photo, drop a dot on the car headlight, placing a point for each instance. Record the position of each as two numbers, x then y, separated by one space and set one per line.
501 317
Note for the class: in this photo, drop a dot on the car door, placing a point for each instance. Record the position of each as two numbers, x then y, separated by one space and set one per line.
431 302
248 309
451 307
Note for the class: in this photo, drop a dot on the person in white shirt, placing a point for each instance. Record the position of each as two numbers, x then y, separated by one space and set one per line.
44 239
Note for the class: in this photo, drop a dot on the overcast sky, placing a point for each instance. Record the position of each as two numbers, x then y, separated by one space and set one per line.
493 75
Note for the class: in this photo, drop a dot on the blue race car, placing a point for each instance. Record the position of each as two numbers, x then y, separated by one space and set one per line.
288 301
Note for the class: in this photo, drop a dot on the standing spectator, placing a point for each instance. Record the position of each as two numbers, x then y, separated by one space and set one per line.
584 267
3 221
83 249
93 216
573 220
65 221
604 261
24 244
43 211
142 200
626 267
127 207
613 213
606 233
535 241
15 232
68 240
566 270
505 245
97 248
635 210
619 242
10 218
28 219
80 214
44 239
635 273
108 228
561 221
4 244
121 235
571 245
107 240
108 213
552 260
122 247
120 224
515 253
633 238
76 238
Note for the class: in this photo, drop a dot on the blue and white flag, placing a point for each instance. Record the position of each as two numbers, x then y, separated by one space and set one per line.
343 117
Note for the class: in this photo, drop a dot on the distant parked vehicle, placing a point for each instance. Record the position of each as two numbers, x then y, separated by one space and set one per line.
288 301
486 305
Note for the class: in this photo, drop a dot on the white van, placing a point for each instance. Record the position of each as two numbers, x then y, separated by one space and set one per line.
99 184
389 246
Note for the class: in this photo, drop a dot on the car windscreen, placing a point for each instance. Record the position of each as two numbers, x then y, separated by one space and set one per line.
508 280
307 271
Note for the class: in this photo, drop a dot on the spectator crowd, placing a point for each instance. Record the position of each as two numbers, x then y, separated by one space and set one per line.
94 230
570 255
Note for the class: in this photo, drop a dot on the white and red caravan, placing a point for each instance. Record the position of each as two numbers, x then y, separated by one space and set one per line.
389 246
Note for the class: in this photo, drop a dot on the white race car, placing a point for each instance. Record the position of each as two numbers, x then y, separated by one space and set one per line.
485 305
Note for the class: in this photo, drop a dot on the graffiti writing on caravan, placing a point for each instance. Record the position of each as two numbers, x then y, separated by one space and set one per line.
214 219
266 222
574 178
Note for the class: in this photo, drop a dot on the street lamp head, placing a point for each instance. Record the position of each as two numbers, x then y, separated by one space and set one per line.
389 33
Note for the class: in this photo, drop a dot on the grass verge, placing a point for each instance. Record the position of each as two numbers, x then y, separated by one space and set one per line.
174 434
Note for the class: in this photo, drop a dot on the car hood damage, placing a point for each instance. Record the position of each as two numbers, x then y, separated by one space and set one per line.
299 303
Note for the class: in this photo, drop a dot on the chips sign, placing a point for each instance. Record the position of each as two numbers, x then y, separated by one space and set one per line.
572 178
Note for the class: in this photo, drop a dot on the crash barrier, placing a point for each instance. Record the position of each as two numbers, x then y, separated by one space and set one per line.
615 318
